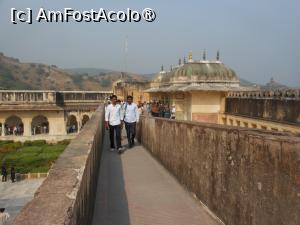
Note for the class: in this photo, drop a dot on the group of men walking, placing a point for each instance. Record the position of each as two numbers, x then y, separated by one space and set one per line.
4 173
116 115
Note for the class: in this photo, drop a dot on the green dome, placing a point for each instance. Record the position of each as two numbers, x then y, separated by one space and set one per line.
199 72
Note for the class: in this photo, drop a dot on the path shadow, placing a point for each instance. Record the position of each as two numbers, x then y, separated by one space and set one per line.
111 205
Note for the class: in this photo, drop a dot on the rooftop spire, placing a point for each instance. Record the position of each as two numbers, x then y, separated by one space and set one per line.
179 61
218 55
162 68
184 60
190 56
204 55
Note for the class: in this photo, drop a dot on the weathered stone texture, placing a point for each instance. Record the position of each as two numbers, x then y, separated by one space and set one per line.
67 196
246 177
205 117
283 110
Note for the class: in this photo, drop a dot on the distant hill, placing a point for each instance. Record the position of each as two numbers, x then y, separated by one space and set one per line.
272 85
89 71
34 76
149 76
17 75
100 71
247 83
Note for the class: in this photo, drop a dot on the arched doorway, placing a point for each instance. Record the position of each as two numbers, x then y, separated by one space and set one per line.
85 119
1 129
72 124
13 126
39 125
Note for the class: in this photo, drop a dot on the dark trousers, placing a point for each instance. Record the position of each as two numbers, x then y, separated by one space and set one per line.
112 130
4 178
13 177
130 130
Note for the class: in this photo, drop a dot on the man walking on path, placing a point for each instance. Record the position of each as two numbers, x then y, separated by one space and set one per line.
131 118
12 174
114 122
4 173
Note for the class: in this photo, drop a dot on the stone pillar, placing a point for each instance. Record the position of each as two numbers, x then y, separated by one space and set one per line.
78 121
14 97
65 127
27 126
78 124
3 130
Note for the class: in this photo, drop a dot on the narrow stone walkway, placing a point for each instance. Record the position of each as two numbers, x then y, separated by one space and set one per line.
134 189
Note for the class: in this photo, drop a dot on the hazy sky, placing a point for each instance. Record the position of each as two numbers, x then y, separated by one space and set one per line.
257 38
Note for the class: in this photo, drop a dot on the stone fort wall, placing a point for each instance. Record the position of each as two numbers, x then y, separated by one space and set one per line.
282 106
244 176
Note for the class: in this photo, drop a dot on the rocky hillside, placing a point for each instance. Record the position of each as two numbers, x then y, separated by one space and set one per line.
274 85
17 75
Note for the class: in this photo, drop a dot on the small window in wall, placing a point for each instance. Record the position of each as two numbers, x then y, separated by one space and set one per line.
264 127
231 122
238 123
254 125
245 124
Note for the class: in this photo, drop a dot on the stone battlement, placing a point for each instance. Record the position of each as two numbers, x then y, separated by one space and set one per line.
286 93
281 106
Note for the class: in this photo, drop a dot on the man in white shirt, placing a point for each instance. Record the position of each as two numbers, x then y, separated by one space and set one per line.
131 118
173 112
114 122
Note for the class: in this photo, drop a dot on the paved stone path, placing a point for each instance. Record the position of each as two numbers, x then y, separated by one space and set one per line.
134 189
14 196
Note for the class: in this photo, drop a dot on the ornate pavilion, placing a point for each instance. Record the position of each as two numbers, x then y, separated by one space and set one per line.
197 88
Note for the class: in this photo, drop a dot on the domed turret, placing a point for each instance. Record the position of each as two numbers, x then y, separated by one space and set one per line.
203 72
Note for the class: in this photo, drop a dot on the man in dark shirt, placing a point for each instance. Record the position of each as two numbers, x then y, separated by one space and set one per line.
4 173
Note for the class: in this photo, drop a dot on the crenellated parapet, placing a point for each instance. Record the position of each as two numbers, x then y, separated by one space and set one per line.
286 93
280 106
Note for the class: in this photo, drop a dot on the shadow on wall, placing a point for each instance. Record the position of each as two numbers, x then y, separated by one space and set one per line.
111 205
